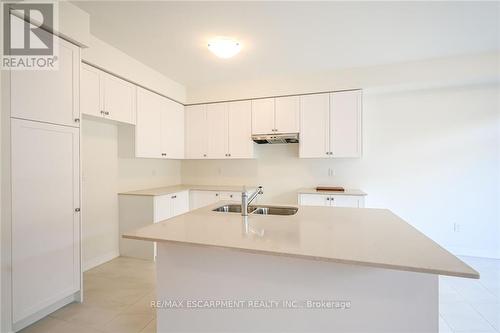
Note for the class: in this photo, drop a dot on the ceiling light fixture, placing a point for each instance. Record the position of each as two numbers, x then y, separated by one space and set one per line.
224 47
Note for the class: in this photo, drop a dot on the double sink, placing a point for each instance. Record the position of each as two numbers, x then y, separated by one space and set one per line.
258 210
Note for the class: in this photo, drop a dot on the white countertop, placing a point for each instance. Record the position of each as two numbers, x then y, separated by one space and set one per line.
345 192
370 237
182 187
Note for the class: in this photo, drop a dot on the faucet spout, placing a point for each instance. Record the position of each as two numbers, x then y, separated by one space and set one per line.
246 199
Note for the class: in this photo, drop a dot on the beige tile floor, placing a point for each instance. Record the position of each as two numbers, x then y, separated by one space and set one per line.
118 296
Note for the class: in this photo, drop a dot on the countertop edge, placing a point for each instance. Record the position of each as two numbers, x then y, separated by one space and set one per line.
317 258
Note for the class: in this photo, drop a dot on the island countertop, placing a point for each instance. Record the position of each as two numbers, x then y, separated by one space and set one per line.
369 237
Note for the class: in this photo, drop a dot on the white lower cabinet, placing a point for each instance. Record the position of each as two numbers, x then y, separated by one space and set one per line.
198 199
138 211
45 218
332 200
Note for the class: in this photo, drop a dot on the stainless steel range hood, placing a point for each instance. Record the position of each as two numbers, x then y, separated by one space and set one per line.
276 138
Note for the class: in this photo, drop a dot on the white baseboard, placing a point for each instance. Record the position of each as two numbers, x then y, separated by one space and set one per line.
89 264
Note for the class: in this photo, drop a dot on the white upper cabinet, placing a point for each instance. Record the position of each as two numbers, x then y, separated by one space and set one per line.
217 130
276 115
159 132
314 128
172 130
287 114
263 116
196 131
240 144
119 99
105 95
148 141
345 123
91 101
330 125
49 95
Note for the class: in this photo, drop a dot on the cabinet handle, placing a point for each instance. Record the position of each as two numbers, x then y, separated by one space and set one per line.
204 155
228 154
328 198
77 120
174 196
231 196
216 194
106 113
77 210
163 154
102 112
332 198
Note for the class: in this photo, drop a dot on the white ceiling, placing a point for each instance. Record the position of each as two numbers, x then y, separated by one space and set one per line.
291 37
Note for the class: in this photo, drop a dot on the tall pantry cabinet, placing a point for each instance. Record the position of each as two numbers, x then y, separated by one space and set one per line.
45 187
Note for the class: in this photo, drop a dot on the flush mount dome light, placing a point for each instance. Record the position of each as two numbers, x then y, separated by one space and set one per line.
224 47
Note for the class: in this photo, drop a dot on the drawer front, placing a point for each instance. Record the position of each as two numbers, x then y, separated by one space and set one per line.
314 200
231 196
347 201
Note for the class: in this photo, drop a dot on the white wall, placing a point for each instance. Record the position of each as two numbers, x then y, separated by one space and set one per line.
484 67
430 155
104 175
105 56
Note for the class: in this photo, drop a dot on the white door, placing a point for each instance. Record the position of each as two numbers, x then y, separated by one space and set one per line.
163 207
314 126
217 130
45 223
90 91
50 96
148 128
314 200
172 130
345 123
196 131
180 203
287 114
263 116
240 130
346 201
119 99
199 199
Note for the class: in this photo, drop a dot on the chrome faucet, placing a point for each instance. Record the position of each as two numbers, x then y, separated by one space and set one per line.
246 199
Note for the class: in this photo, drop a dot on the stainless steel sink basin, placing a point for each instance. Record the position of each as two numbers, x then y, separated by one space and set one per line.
270 210
258 210
232 209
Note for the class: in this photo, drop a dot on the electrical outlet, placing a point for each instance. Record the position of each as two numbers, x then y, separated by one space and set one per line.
456 227
331 172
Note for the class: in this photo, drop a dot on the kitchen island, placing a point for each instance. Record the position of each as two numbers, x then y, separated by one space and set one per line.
321 269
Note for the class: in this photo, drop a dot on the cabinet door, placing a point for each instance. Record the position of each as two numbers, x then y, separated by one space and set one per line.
180 203
163 207
172 130
196 131
45 224
314 200
119 99
148 127
314 126
263 116
347 201
217 130
90 91
50 96
199 199
345 123
287 114
240 130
